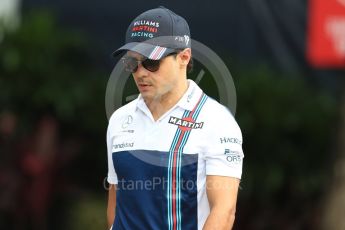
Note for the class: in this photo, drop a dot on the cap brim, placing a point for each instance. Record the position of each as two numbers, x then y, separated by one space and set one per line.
149 51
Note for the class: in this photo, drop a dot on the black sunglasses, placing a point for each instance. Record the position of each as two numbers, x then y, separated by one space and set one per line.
131 64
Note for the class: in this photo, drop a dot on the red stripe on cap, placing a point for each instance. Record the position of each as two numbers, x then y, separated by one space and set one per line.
156 54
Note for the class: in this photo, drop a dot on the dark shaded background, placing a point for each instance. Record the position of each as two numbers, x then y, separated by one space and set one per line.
54 70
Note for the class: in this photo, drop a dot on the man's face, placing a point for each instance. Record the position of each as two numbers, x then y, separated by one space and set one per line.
159 84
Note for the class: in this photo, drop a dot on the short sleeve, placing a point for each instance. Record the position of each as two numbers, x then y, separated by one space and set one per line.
224 154
112 177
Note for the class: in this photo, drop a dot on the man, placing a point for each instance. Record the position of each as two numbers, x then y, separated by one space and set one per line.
174 154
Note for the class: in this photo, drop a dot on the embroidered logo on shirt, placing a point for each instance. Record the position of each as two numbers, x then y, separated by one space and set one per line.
233 156
233 140
127 121
123 145
186 124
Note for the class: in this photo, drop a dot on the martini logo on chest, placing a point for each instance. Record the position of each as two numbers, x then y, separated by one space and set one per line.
186 124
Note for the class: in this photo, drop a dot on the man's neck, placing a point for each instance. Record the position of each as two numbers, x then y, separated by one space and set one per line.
159 106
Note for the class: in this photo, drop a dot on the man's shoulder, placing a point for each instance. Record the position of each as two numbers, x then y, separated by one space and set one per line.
214 109
218 120
124 110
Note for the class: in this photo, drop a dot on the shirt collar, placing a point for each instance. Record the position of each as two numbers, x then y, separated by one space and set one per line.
188 100
191 96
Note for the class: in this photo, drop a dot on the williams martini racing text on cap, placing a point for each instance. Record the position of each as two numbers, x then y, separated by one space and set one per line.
156 33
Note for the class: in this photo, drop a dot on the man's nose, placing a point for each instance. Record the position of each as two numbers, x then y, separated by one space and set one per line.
141 71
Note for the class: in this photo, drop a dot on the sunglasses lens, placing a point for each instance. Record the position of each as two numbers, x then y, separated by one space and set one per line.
131 64
151 65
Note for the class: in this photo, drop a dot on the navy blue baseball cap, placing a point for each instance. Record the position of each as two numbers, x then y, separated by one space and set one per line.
156 33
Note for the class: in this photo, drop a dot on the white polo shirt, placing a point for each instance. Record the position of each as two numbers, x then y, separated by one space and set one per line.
160 167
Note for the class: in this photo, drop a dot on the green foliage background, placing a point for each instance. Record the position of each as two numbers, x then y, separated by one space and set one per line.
288 126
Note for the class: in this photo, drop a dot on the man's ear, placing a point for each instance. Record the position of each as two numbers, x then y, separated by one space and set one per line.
184 56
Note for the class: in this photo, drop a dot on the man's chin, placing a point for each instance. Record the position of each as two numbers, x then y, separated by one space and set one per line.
147 95
150 97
